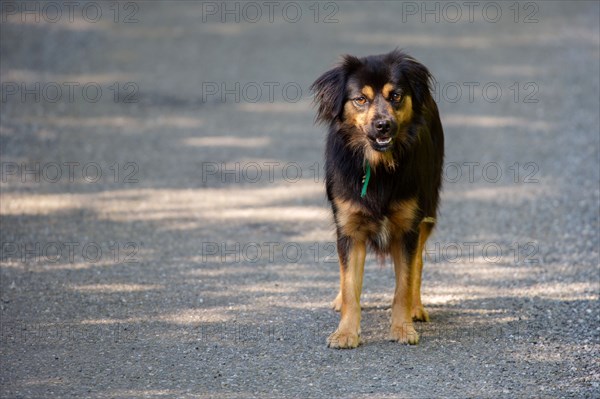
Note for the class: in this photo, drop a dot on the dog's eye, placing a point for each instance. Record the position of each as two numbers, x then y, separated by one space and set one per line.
362 100
396 97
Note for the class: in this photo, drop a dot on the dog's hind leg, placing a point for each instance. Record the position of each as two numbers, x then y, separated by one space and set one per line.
352 266
418 311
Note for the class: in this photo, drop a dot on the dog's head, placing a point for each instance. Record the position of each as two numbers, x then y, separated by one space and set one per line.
373 99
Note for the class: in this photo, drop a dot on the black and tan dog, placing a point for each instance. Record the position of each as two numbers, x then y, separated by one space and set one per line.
383 165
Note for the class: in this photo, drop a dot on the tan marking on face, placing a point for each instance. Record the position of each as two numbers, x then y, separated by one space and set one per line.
387 88
368 92
353 116
405 112
362 120
403 215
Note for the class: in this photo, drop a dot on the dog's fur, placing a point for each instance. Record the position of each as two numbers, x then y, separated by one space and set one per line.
362 100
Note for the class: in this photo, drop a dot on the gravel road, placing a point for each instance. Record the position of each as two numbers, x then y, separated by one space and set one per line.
164 227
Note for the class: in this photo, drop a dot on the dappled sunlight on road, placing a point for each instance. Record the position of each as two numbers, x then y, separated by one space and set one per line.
130 124
493 122
226 141
163 204
114 288
508 194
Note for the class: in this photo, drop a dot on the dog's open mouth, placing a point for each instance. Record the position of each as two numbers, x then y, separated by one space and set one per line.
382 143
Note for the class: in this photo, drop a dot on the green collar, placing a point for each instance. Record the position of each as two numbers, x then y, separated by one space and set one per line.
365 180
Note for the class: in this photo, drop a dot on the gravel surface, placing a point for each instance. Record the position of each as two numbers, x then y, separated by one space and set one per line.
200 263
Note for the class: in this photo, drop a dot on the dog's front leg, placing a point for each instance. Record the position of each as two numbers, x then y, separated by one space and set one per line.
352 265
402 329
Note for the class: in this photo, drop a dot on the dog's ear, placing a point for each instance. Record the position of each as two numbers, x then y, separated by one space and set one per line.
415 74
330 90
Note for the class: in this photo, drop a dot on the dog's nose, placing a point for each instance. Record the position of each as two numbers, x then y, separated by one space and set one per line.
382 126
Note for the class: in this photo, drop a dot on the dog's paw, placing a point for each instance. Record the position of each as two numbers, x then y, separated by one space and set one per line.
420 314
343 340
405 334
336 304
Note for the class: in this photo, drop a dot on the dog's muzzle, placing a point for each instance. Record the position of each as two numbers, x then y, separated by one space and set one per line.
382 134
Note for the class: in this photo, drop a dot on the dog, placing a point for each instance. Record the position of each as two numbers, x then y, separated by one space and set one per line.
383 172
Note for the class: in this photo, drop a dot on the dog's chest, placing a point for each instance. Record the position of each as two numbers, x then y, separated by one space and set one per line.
355 221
